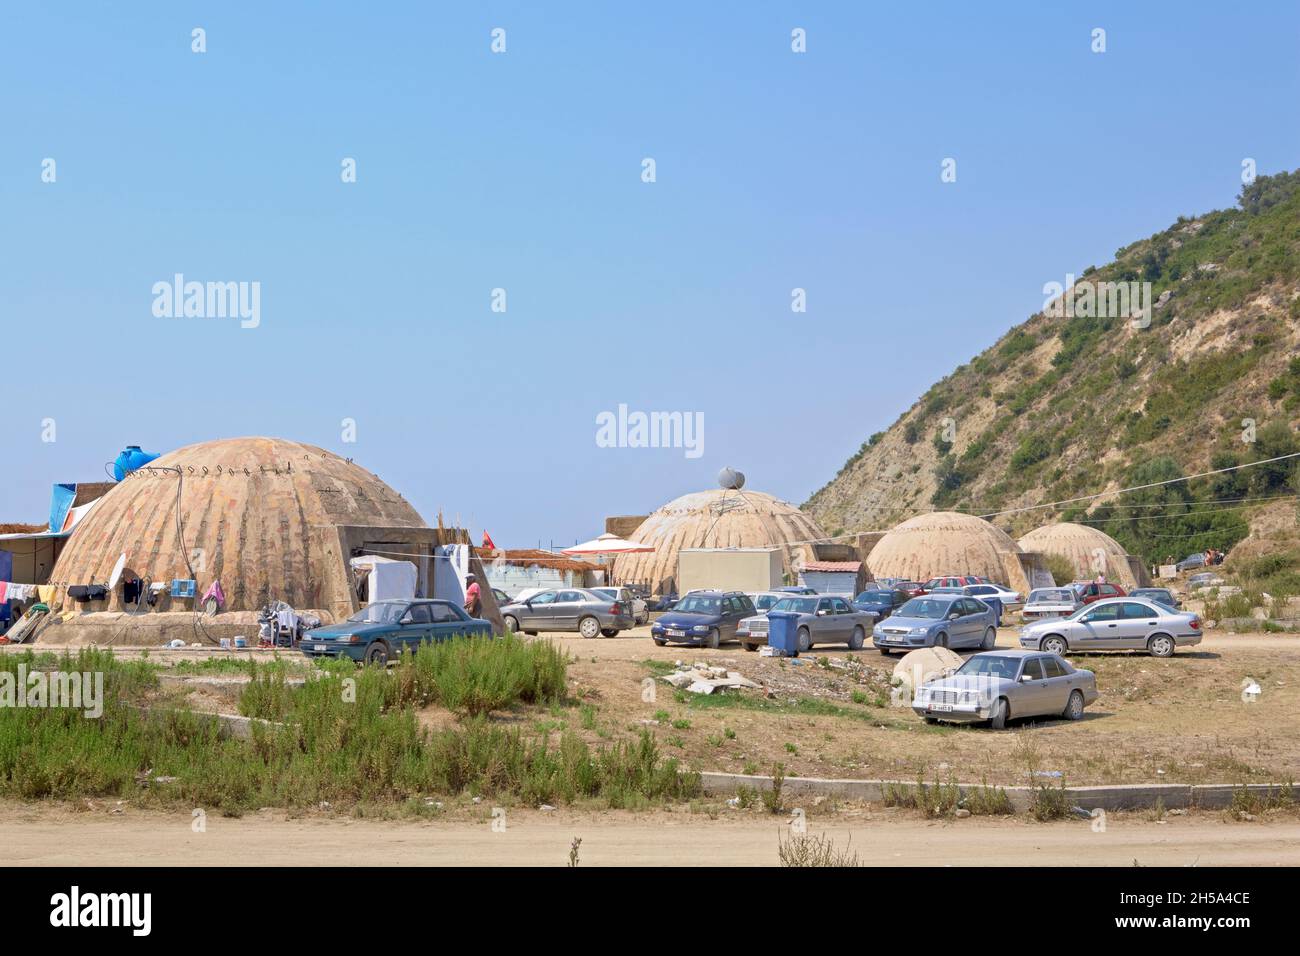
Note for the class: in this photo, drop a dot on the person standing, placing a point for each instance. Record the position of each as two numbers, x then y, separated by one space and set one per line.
473 598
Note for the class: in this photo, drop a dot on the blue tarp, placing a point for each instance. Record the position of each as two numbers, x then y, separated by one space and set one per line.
60 504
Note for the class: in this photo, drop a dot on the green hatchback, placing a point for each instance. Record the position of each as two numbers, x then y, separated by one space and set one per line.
380 631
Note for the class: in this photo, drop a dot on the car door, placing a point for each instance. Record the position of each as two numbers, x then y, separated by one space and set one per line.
539 611
845 619
822 625
567 609
1097 629
1138 621
1059 683
1034 695
971 623
414 627
446 623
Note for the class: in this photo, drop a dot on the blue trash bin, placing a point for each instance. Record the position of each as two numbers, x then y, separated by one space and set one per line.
782 632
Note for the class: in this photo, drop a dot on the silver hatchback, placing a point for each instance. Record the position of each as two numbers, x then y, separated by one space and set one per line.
1115 624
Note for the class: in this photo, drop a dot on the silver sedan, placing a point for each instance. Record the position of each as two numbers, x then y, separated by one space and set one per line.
1000 685
568 609
1116 624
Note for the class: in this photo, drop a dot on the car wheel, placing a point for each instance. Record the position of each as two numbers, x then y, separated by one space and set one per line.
931 720
884 652
609 631
377 653
1054 644
1161 645
990 638
512 623
856 641
804 640
941 640
1001 711
713 640
750 647
660 642
589 627
1074 707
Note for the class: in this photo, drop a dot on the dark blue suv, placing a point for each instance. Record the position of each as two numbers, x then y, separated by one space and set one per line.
881 602
703 617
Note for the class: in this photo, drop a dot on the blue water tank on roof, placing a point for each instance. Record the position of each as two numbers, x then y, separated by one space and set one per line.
129 459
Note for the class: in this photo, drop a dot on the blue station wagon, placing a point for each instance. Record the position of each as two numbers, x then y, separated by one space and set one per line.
381 631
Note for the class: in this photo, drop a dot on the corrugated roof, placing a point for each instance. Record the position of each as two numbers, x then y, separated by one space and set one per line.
851 567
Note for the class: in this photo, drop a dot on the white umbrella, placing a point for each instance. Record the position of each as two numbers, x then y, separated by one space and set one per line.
608 543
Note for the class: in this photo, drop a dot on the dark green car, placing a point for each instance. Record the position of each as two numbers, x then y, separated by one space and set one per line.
380 631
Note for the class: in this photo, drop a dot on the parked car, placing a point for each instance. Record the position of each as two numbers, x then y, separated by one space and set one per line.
913 588
952 581
881 602
703 617
1090 591
640 610
1050 602
797 589
664 602
568 609
752 631
1010 599
1204 580
941 620
823 619
1116 624
382 630
1191 562
1002 685
1159 595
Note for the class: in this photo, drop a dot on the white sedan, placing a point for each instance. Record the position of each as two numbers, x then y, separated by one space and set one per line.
1010 599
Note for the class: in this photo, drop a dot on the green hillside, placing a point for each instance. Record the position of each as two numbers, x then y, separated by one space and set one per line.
1067 405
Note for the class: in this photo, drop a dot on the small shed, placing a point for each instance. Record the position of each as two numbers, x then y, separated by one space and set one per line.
835 577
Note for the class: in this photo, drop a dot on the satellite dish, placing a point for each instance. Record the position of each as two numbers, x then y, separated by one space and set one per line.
116 574
730 479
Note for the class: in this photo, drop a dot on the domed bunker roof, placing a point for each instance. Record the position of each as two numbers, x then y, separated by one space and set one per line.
943 542
714 519
261 515
1090 550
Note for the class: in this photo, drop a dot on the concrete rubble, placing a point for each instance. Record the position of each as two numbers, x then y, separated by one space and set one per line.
702 678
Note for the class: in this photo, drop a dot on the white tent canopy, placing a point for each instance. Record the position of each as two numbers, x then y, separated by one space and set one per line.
608 544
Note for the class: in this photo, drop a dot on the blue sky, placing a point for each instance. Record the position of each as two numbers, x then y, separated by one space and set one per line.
522 171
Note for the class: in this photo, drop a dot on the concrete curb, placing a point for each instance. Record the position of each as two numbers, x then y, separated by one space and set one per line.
1173 796
228 725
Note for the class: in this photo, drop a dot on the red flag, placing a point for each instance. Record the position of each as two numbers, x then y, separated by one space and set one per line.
487 541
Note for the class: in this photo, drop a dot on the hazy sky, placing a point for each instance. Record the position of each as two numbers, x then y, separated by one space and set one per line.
523 171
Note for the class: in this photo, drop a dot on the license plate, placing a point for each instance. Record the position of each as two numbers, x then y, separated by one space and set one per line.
673 632
941 708
320 647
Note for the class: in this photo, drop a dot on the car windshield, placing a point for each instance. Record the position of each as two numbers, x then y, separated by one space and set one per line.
925 607
699 605
991 665
381 612
873 597
797 605
1052 596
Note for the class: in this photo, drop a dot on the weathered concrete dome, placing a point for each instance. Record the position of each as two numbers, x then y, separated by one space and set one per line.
1088 549
715 519
943 542
261 515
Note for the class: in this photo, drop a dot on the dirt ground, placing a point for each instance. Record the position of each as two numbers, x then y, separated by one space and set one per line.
46 835
1157 721
1180 720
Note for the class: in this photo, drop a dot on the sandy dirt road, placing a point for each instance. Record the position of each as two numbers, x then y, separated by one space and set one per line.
45 835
